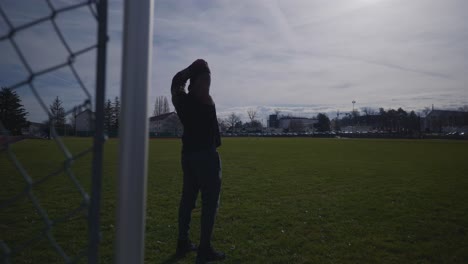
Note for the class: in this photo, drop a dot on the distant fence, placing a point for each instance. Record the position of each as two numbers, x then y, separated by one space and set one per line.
114 134
353 135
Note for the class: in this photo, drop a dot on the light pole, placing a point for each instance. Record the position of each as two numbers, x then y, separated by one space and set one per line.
353 115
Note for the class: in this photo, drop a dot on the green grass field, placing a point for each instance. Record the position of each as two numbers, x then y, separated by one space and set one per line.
284 200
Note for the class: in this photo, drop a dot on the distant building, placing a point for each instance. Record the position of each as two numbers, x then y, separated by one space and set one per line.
286 122
297 124
84 121
358 128
364 123
166 125
34 129
273 121
441 121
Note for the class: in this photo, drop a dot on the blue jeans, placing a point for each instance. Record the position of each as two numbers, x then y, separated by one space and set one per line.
202 172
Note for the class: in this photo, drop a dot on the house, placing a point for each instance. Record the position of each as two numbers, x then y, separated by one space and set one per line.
84 121
166 125
442 121
34 129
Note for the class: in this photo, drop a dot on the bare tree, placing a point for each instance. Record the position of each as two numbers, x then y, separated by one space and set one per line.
277 111
355 113
157 106
426 111
368 111
161 106
223 126
166 108
232 120
252 113
463 108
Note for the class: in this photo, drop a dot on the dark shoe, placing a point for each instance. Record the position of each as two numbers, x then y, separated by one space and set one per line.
184 247
208 255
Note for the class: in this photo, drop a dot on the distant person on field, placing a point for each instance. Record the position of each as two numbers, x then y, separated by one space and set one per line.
201 163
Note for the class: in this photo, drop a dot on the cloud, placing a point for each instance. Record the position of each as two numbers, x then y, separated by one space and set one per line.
263 54
306 56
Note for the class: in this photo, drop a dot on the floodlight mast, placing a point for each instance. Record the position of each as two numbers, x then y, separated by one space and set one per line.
353 115
133 131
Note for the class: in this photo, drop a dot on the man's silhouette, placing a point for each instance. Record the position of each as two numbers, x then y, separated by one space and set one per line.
201 164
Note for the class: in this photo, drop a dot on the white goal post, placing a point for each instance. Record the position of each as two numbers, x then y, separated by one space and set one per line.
133 150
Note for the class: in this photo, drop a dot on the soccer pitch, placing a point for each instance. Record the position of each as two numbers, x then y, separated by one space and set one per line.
283 200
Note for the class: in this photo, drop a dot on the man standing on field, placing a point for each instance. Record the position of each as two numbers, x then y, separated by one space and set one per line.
201 164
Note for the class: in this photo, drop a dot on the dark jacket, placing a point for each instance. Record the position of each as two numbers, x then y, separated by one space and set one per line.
201 130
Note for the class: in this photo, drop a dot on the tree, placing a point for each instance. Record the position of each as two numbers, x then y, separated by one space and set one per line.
463 108
12 113
116 113
355 114
426 111
323 123
402 119
414 123
108 115
392 119
252 113
166 108
277 111
254 125
161 106
223 126
239 125
368 111
58 113
337 121
232 120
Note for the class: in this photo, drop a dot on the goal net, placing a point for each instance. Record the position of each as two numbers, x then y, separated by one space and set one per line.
52 68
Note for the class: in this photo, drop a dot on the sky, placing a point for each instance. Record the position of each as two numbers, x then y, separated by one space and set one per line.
299 56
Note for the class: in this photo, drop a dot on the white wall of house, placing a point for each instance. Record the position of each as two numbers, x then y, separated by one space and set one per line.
34 129
83 121
170 124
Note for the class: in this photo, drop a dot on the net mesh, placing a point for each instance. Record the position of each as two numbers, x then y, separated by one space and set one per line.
44 200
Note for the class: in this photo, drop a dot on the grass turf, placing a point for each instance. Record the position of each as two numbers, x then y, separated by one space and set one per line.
284 200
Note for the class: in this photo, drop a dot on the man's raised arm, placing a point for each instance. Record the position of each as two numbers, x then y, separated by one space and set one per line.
178 86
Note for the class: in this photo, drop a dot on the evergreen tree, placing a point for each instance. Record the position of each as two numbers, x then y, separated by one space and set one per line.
12 112
323 123
58 113
116 113
108 115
